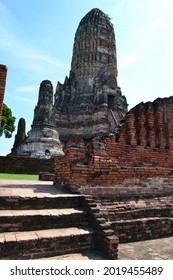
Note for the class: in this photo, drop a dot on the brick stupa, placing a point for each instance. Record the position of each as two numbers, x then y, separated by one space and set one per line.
42 140
90 103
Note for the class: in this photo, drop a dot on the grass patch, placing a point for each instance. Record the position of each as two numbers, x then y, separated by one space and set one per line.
18 176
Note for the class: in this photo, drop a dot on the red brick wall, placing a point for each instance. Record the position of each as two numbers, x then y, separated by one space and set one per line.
3 74
137 218
137 159
24 165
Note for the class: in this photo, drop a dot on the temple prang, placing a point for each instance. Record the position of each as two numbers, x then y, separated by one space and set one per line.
90 102
42 140
43 111
20 136
88 108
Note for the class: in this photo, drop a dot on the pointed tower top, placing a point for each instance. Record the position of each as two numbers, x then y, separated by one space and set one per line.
96 16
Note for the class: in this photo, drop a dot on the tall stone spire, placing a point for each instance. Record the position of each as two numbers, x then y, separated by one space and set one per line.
20 136
43 139
43 110
90 103
94 47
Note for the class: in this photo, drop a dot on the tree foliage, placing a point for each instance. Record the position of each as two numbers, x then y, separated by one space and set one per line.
7 123
109 18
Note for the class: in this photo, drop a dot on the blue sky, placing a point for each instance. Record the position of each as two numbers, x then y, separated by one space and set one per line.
36 42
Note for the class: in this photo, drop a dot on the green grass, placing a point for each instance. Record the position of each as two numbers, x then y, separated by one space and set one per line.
18 176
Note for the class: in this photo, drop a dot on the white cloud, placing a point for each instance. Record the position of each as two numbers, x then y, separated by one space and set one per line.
19 51
26 56
28 89
22 99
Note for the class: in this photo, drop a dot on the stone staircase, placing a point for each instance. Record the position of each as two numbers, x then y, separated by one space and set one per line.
42 227
140 218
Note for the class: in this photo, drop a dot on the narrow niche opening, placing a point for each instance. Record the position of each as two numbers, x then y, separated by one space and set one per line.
111 99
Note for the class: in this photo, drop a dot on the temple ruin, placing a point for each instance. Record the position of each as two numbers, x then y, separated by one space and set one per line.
122 159
42 140
89 103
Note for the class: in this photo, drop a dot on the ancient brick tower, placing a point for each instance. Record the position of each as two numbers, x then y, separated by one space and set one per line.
90 103
42 140
3 74
20 136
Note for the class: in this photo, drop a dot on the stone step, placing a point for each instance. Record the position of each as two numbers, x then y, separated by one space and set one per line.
36 202
85 255
45 243
23 220
143 220
140 213
132 230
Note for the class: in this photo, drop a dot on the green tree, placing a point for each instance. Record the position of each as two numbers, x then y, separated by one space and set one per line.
7 123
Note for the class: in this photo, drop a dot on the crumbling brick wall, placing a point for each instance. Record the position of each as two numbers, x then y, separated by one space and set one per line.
139 218
24 165
129 173
136 159
3 74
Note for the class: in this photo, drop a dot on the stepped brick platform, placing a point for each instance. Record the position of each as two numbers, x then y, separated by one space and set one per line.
18 202
139 218
155 249
85 229
21 220
129 171
38 220
45 243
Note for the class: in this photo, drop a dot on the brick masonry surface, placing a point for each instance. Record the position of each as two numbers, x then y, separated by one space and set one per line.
136 159
73 222
130 172
137 219
3 74
23 165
